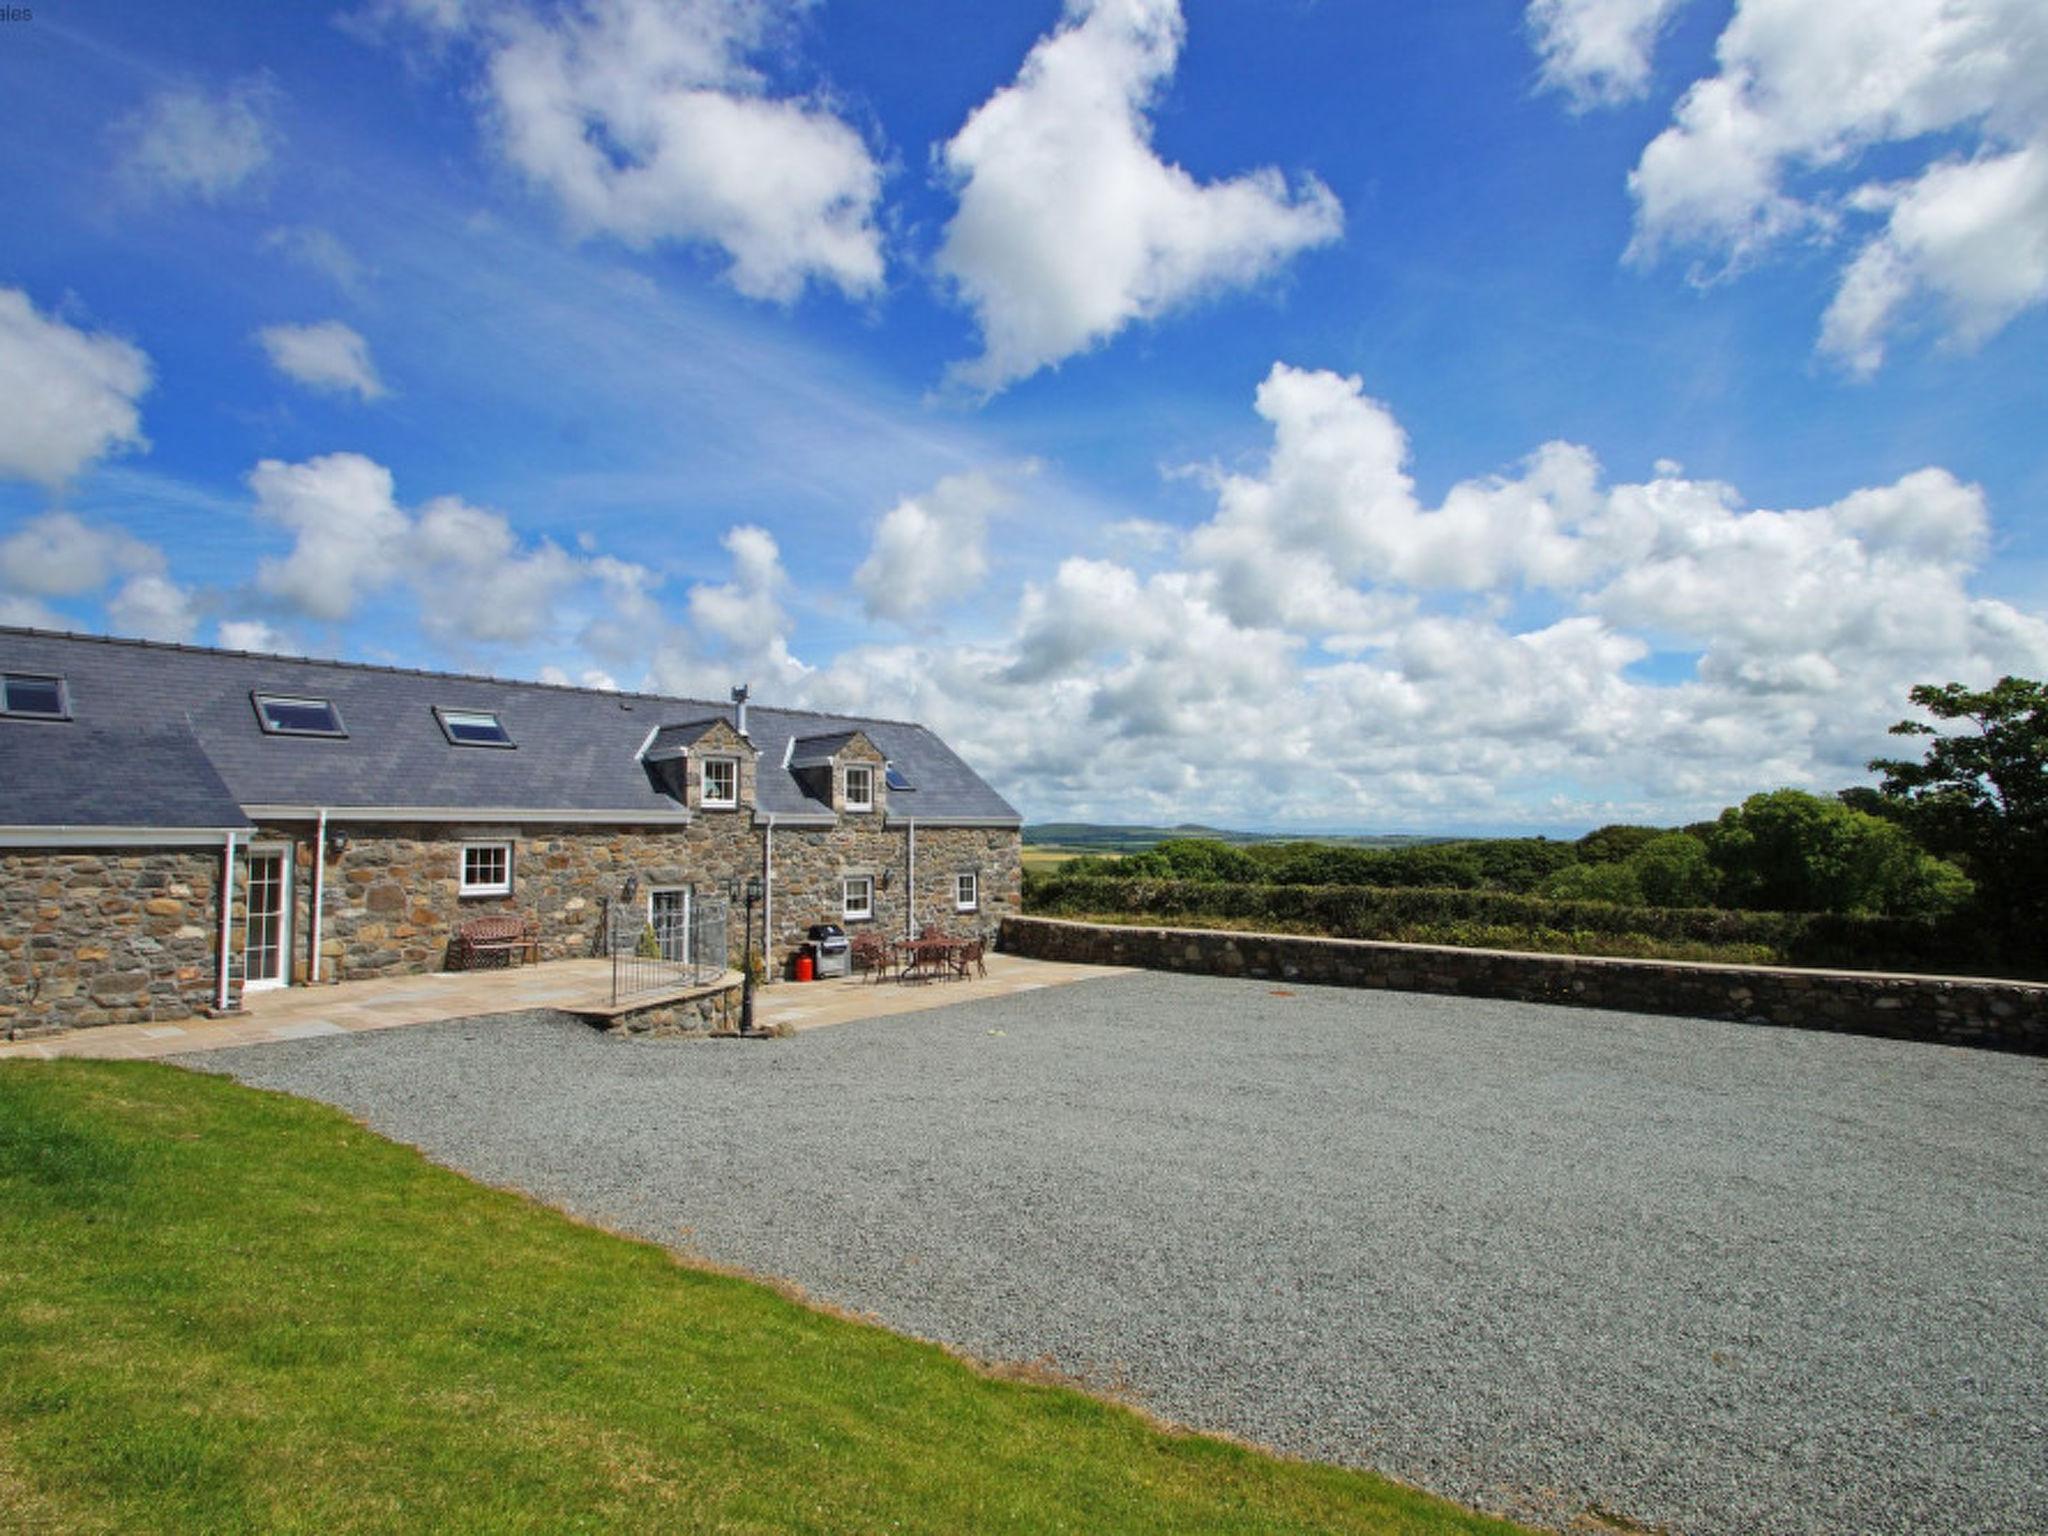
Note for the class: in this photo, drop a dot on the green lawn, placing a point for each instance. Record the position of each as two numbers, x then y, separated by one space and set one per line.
226 1310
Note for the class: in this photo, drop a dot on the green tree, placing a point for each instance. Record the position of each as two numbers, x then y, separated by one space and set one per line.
1613 843
1614 881
1981 792
1201 858
1519 863
1675 870
1669 869
1789 851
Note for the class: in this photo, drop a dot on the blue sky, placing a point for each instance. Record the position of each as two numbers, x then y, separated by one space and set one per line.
1324 415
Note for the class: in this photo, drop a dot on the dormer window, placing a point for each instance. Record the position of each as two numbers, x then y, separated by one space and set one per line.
860 787
473 727
722 782
280 715
27 696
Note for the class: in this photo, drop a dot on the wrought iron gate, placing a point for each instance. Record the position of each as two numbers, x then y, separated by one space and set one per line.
678 940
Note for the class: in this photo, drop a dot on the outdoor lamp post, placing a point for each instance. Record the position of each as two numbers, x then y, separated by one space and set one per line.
753 894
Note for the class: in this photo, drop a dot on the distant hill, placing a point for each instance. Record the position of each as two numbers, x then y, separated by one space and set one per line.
1098 837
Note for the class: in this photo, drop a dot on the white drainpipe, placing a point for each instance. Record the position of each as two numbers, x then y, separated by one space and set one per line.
910 887
227 918
319 892
768 894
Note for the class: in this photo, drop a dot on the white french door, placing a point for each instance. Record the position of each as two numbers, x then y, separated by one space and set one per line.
266 933
668 911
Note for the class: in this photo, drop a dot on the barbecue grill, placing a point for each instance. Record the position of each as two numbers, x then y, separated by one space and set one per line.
831 950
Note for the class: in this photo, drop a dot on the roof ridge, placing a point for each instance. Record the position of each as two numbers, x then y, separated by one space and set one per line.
95 638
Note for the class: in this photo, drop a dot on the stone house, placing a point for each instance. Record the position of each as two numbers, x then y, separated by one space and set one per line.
180 825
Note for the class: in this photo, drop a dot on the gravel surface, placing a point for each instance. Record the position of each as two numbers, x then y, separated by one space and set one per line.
1707 1277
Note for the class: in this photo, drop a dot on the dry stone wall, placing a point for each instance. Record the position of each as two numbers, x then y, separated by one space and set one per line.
812 863
2001 1015
393 900
91 937
115 937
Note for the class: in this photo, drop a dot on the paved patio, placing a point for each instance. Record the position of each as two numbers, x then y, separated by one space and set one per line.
302 1013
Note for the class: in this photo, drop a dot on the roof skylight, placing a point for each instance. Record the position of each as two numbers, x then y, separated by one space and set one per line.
282 715
32 697
896 777
473 727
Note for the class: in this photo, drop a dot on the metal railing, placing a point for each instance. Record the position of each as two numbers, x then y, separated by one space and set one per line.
677 945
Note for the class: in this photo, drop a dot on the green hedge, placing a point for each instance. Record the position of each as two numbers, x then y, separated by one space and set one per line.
1373 912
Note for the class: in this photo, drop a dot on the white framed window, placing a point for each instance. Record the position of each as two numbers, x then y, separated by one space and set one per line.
967 891
857 901
722 781
281 715
30 697
486 869
860 787
473 727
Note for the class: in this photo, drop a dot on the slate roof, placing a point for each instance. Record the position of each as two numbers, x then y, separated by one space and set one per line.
818 751
577 748
67 775
671 740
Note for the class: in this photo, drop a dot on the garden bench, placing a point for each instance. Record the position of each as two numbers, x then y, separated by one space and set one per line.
500 933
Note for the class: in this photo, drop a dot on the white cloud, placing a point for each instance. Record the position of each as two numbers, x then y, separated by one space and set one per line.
1597 51
185 143
738 630
1972 235
349 535
648 121
1331 652
256 635
153 608
1769 147
476 582
589 677
59 554
1334 505
930 550
71 394
322 251
325 356
28 612
1070 226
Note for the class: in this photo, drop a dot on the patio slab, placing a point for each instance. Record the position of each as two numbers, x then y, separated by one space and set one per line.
571 986
794 1007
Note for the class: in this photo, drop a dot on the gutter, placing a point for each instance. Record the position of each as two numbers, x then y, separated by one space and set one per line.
768 888
910 885
67 835
227 920
319 894
467 814
1004 823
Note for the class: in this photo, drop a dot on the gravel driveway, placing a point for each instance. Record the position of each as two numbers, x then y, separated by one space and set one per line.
1705 1276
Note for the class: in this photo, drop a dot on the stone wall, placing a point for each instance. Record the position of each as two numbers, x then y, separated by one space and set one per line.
130 936
2000 1015
105 937
995 853
811 863
393 901
701 1014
